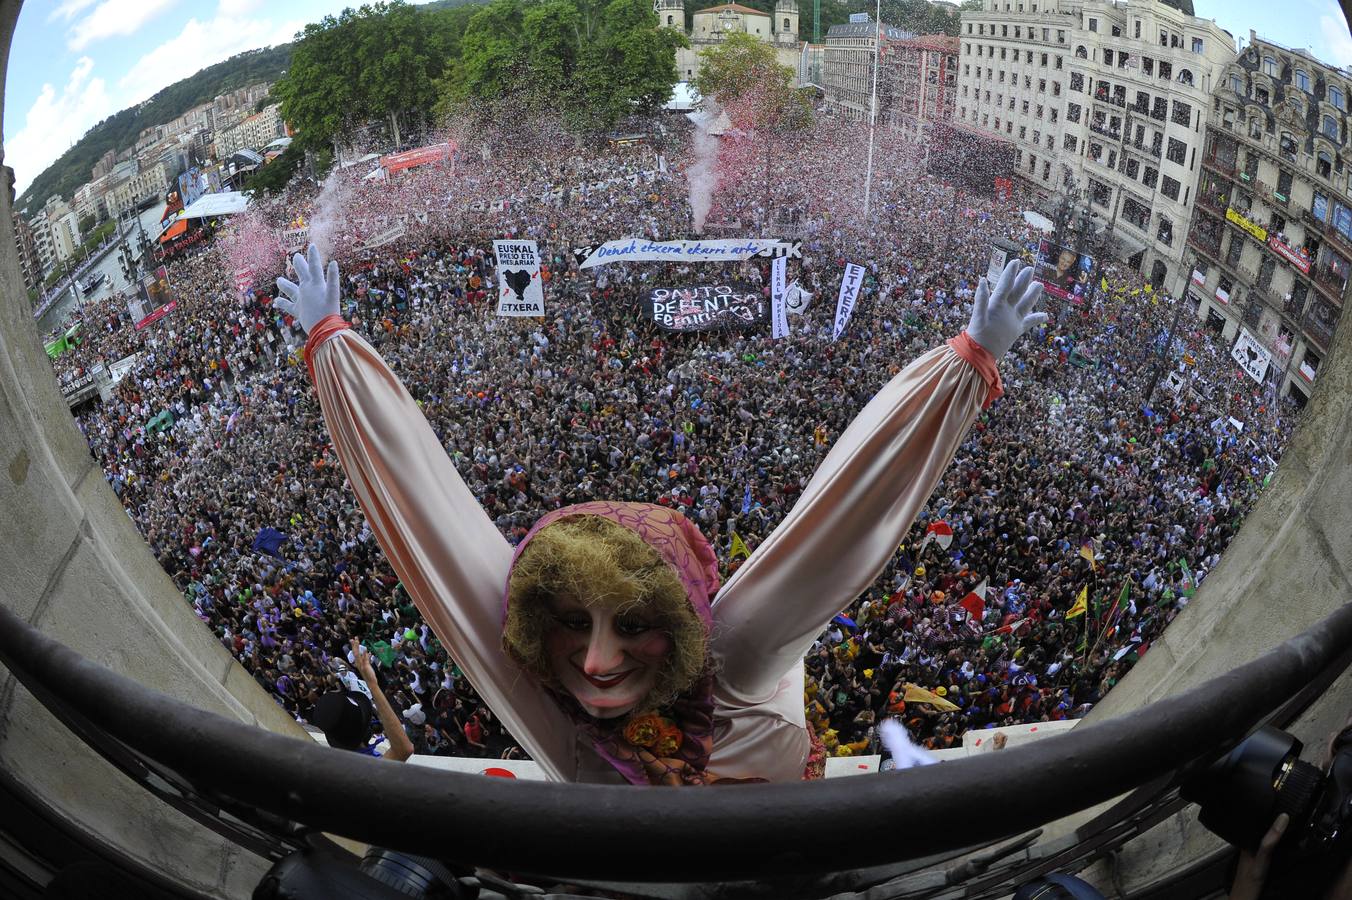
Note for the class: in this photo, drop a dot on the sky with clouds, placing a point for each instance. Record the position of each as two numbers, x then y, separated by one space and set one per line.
75 62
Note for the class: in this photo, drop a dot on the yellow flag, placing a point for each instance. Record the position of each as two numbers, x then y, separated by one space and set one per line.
1103 284
738 547
1081 604
920 695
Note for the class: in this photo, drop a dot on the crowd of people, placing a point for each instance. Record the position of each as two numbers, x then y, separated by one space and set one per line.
1072 483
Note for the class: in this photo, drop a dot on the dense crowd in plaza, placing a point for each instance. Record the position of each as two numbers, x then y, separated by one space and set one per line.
1070 481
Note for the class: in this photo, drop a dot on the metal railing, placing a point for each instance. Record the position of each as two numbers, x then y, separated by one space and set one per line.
591 831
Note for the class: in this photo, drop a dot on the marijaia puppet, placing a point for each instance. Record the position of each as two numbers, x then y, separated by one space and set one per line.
604 641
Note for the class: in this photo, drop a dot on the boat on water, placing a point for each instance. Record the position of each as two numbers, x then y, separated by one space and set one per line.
93 282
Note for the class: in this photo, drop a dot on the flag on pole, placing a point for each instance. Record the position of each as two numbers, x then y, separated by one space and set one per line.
738 547
920 695
1081 605
941 533
849 292
779 315
1189 582
1011 627
1088 550
1115 611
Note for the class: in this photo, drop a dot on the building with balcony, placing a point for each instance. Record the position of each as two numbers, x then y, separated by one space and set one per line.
1271 233
251 133
921 77
1111 96
847 67
30 267
711 25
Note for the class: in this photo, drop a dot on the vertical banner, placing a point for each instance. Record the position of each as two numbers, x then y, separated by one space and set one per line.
520 290
849 292
779 316
996 267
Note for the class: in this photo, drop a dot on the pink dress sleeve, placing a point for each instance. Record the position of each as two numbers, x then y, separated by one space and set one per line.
850 519
451 558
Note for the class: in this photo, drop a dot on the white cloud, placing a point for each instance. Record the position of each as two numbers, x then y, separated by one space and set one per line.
113 18
198 45
55 121
1337 41
231 8
67 9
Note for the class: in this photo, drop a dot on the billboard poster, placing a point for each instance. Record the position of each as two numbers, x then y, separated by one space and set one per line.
1063 272
706 307
1198 278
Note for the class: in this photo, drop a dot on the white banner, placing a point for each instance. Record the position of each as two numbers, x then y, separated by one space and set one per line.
295 239
849 292
520 290
996 267
779 316
1252 356
721 250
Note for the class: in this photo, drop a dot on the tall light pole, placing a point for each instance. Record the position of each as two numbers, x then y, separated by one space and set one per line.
873 107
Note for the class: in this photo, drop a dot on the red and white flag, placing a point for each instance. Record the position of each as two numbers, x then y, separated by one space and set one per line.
975 603
941 533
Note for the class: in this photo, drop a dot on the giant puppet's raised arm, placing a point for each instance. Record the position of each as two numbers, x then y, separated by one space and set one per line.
448 553
864 496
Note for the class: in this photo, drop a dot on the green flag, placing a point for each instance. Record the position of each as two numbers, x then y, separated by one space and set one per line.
383 652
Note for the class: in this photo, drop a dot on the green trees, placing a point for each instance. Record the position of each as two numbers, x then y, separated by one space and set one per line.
592 61
380 61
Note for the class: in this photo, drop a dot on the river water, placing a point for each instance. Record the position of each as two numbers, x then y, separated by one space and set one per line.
62 308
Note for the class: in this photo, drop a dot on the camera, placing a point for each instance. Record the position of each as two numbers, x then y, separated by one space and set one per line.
1242 794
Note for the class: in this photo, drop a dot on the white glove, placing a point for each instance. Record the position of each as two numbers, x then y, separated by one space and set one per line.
999 318
317 294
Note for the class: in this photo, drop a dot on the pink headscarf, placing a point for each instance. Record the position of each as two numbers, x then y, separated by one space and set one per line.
687 551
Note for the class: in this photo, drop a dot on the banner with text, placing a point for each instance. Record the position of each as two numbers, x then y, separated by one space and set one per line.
779 316
706 307
520 290
1252 356
722 250
849 293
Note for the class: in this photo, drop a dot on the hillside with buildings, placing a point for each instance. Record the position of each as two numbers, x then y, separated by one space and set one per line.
120 133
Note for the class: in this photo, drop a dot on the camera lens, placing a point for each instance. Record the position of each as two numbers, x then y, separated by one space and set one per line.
1244 792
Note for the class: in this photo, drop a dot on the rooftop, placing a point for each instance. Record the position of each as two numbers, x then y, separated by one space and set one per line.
733 7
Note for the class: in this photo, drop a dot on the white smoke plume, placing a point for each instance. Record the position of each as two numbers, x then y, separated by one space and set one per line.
702 174
329 213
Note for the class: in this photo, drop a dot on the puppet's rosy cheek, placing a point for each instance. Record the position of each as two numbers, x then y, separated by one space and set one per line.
654 647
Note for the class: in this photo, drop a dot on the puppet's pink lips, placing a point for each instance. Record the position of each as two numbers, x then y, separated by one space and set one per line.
607 682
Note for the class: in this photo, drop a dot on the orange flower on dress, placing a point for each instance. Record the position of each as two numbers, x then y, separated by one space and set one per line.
643 731
669 739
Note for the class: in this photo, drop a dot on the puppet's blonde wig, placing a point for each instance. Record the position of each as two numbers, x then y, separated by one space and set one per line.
600 563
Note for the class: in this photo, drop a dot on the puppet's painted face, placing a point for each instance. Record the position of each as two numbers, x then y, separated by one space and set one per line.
608 661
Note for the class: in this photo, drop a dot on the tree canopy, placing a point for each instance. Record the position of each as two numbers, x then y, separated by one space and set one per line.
592 61
744 75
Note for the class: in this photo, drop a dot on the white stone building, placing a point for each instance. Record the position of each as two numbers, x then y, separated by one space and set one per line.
1106 98
253 132
711 25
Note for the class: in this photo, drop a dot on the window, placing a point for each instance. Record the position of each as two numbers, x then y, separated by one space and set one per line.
1077 81
1028 56
1138 29
1182 114
1147 65
1150 177
1160 109
1093 24
1166 70
1002 53
1058 64
1324 164
1018 32
1136 213
1169 187
1023 132
1270 66
1261 95
1053 115
1044 61
1303 80
1039 110
1046 34
1046 170
1185 76
1133 168
1004 31
1042 85
966 69
1070 143
1060 36
1056 89
1330 128
1197 45
1117 32
1073 112
1107 56
1237 84
1081 52
1002 76
1287 145
1336 97
1025 107
1178 152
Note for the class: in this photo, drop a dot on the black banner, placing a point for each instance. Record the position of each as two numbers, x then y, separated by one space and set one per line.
706 307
